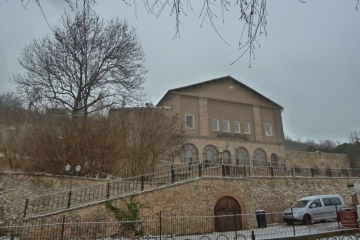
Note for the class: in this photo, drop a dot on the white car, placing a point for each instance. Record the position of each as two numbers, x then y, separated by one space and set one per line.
313 209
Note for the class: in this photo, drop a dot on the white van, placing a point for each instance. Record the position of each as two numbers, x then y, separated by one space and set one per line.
313 209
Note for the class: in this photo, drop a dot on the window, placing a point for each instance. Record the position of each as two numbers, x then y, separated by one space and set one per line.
189 153
215 124
236 127
242 156
226 157
260 157
273 160
268 130
316 202
226 125
189 121
210 154
247 128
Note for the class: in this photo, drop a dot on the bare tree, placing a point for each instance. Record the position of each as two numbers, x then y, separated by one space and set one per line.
354 137
87 61
126 144
11 109
149 135
12 118
53 143
252 15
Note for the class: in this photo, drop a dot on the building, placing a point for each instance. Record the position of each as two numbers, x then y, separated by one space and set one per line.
227 122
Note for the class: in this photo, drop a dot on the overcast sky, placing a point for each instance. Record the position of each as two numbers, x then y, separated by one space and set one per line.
309 63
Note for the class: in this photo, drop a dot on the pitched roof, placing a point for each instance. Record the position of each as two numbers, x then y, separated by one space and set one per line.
214 80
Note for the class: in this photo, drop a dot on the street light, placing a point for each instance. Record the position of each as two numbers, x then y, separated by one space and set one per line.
67 170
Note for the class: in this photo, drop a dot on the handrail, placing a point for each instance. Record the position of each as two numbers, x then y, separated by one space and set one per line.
62 200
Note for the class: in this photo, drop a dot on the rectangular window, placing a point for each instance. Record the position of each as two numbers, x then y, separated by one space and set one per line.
189 121
247 128
268 130
215 124
226 125
236 127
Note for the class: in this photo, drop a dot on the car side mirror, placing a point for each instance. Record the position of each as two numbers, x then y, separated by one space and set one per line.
313 205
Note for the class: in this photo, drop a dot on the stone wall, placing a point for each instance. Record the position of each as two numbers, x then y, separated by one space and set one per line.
15 188
317 159
197 197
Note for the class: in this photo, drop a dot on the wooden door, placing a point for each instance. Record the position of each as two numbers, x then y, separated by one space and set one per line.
226 218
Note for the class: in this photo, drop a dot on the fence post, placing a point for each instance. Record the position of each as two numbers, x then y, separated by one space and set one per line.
312 172
223 170
69 200
235 223
160 224
244 171
108 191
337 217
172 174
252 235
292 172
142 183
292 220
272 171
200 170
62 227
26 205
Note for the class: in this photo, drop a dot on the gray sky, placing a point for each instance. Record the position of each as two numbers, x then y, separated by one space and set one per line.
309 63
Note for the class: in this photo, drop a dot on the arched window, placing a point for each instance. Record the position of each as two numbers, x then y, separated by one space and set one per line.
242 156
189 153
274 160
259 157
210 154
226 157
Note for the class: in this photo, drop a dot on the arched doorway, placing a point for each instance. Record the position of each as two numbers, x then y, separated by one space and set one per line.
225 219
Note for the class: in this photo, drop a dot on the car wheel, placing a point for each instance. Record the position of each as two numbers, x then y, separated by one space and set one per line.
307 219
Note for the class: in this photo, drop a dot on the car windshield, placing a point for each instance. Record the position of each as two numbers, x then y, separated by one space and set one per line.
300 204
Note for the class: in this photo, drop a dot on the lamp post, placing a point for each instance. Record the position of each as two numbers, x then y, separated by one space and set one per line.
67 170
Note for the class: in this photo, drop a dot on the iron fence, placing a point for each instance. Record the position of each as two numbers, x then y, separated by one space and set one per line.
59 201
178 227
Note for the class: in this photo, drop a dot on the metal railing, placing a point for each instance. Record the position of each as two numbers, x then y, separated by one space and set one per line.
60 201
227 225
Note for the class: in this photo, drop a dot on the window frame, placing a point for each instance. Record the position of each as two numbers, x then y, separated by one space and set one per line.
271 131
247 123
193 121
228 125
238 125
217 124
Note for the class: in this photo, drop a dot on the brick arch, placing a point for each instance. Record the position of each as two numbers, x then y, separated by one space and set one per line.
237 199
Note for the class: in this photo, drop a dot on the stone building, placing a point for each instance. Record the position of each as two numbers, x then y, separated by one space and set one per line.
227 122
